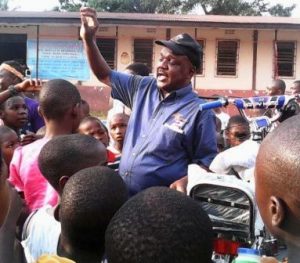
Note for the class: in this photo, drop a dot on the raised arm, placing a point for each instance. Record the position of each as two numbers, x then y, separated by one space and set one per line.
29 85
88 30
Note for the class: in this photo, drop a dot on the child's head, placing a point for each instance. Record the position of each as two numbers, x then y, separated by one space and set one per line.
277 181
14 112
9 141
65 155
237 131
60 102
117 127
94 127
277 88
11 73
159 225
138 69
90 199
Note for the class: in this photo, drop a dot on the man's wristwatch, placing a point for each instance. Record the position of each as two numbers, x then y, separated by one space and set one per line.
13 91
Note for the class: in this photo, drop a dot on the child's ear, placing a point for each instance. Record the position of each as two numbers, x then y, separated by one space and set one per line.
62 181
76 110
277 211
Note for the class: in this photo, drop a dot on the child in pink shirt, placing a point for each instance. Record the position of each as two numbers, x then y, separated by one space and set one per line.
60 106
25 175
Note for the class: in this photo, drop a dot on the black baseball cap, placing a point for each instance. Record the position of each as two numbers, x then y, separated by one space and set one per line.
184 45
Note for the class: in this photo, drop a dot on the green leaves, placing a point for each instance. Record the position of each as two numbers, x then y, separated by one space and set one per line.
209 7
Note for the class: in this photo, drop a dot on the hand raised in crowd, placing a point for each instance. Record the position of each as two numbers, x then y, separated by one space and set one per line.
89 23
30 85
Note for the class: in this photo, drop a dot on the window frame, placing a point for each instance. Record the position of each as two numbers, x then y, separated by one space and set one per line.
101 38
276 61
152 51
236 59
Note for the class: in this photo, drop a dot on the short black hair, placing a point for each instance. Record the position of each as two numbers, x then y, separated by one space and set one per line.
159 225
56 97
278 159
236 120
90 199
67 154
139 69
3 104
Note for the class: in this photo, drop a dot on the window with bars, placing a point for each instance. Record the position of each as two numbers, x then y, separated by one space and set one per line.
227 57
143 51
200 71
107 46
286 57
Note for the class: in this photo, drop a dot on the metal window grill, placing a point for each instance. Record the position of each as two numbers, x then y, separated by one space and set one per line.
143 51
107 46
286 58
227 57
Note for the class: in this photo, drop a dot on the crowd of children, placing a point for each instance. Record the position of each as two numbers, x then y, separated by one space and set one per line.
87 224
62 199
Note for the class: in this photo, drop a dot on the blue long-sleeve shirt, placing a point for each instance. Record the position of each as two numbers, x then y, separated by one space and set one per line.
163 135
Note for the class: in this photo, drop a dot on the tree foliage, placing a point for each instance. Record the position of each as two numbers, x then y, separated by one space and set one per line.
280 10
239 7
131 6
209 7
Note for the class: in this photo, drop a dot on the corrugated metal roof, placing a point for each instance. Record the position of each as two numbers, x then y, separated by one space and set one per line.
134 19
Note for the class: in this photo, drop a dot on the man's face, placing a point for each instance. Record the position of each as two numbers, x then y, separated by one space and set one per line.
15 113
237 134
173 71
117 128
7 79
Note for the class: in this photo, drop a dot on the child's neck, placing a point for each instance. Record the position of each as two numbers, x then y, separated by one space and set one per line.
55 129
119 146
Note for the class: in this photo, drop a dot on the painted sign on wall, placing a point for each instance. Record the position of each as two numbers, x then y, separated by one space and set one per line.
64 59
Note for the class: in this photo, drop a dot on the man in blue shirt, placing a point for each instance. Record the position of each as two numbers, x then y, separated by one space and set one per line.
166 130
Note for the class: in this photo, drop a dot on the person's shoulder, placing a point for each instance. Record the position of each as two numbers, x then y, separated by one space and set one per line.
37 143
33 147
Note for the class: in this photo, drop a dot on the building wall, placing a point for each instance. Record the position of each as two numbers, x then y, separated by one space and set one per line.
125 36
265 54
